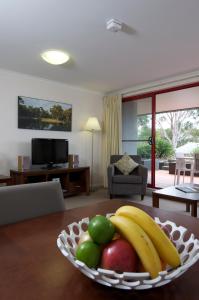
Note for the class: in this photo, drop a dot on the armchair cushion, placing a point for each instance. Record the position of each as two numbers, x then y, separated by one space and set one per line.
126 164
127 179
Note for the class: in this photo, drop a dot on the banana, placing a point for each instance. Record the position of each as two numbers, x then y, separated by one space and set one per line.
166 250
140 242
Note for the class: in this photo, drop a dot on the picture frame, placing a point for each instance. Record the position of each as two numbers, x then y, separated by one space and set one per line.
39 114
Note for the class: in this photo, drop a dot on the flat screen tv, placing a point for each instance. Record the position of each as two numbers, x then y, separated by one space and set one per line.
49 152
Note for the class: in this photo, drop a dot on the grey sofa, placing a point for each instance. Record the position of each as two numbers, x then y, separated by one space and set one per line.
132 184
26 201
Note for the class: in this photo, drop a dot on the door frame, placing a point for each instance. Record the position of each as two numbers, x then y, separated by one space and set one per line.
152 95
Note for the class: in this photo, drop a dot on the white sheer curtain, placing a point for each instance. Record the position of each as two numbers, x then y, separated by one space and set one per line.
112 125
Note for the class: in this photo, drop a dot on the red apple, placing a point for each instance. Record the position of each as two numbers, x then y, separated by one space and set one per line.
119 256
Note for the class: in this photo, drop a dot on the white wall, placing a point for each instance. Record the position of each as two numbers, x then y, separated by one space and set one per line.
14 141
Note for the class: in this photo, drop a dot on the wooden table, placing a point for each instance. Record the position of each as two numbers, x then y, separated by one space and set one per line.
5 179
33 268
171 193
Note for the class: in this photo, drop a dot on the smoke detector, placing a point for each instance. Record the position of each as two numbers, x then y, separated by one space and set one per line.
114 25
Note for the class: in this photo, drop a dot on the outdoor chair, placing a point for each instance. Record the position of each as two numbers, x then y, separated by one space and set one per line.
195 169
133 184
181 167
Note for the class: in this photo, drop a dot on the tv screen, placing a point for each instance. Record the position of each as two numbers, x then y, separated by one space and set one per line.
49 151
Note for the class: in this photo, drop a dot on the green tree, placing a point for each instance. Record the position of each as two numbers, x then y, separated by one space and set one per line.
144 127
144 120
196 150
179 124
163 149
57 112
195 135
144 150
67 115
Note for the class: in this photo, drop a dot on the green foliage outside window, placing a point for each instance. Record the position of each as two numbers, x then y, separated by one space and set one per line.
163 149
196 150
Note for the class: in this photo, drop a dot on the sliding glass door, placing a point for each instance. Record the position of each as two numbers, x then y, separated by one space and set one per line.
159 125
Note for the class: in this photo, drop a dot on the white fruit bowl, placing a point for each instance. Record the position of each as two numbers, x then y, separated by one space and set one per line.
189 254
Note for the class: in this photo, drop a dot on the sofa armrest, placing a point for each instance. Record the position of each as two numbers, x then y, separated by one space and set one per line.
143 171
111 171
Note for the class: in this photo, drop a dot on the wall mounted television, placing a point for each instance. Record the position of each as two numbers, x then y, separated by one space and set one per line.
49 152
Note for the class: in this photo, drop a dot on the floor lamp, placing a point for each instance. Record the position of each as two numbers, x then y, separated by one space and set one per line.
92 125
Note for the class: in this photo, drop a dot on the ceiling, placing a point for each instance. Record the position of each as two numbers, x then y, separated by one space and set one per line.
160 39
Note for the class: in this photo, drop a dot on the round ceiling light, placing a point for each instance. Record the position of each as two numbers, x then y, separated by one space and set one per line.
55 57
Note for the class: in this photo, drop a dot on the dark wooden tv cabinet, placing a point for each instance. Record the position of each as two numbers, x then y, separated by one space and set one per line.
73 180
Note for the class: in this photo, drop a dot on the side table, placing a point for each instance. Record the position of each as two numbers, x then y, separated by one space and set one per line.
173 194
5 179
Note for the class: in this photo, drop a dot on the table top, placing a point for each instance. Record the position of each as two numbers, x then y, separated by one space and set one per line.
32 267
35 171
174 193
3 177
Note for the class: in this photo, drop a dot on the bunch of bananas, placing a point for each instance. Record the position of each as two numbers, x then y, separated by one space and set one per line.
150 242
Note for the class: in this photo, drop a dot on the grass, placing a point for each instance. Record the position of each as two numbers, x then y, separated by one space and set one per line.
52 121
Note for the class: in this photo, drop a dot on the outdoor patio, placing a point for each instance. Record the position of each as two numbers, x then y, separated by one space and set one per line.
164 179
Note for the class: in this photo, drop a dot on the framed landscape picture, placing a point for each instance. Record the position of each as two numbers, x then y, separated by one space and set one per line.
43 114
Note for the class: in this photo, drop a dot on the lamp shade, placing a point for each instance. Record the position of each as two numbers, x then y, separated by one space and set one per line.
92 124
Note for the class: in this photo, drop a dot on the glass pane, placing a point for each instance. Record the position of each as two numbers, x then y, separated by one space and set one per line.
144 150
136 130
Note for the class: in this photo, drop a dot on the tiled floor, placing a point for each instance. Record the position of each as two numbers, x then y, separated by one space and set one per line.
164 179
101 195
